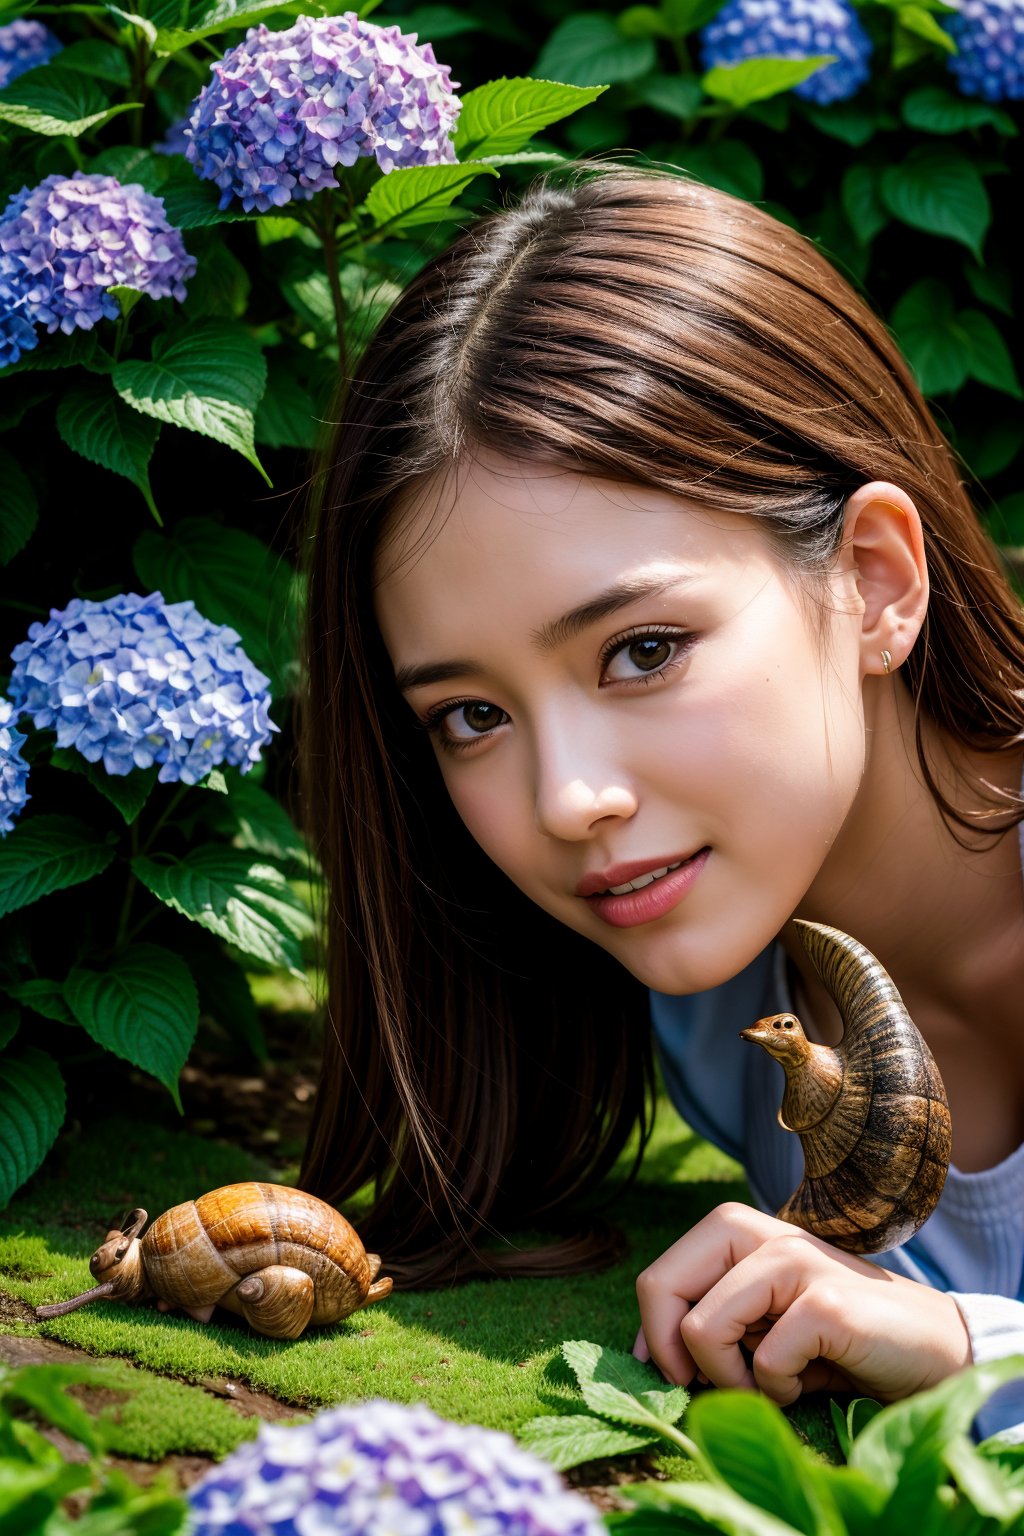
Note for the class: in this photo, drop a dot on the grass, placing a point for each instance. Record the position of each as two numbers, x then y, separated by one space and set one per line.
484 1352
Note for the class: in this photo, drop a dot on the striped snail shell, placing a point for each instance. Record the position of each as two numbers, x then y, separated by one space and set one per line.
871 1113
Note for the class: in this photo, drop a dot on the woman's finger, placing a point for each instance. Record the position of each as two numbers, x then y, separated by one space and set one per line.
640 1349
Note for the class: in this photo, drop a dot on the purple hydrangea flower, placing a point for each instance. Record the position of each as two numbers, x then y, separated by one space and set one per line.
284 108
989 35
134 681
66 242
24 45
378 1467
793 29
13 769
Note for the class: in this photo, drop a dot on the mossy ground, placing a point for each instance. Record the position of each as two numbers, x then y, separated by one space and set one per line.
485 1352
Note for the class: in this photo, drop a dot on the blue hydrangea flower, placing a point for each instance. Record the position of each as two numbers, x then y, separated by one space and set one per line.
989 35
378 1467
25 45
134 681
793 29
65 243
284 108
13 769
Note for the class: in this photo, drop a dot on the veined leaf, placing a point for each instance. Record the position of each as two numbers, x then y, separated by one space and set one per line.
48 853
935 110
208 379
10 1023
866 214
242 899
225 995
95 56
566 1440
258 821
128 792
621 1387
919 21
502 116
19 510
54 101
749 1443
589 49
233 579
31 1114
940 191
677 95
419 194
217 17
990 359
714 1507
143 1007
99 426
758 79
45 997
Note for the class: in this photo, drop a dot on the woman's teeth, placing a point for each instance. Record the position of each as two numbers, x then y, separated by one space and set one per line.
641 880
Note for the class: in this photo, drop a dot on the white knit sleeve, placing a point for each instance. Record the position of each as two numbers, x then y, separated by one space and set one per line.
996 1328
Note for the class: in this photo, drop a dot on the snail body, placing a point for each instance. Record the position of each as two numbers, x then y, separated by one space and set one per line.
871 1113
279 1257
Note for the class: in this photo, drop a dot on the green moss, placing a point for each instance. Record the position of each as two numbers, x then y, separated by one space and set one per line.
485 1352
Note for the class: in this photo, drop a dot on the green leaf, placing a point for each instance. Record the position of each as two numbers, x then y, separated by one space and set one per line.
940 191
418 194
143 1007
286 417
902 1447
620 1386
242 899
257 821
42 1387
78 351
993 1490
502 116
53 101
19 510
94 56
852 122
642 21
208 379
569 1439
95 423
862 202
935 110
992 285
990 359
991 445
589 49
216 17
755 1452
221 284
31 1114
10 1023
715 1508
685 16
730 165
757 79
921 23
233 579
44 997
134 21
676 95
438 22
128 792
925 324
191 203
48 853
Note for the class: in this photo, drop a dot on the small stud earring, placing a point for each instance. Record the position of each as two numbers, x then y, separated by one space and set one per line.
887 662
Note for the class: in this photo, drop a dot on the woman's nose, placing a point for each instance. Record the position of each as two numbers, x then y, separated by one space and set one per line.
577 787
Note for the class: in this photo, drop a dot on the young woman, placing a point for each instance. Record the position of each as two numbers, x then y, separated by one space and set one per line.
649 611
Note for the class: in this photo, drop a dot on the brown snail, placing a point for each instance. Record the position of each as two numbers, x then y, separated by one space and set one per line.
279 1257
871 1113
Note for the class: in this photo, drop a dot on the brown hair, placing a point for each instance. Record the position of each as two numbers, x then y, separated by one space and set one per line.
636 326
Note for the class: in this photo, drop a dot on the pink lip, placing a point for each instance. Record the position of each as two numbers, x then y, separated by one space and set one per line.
645 905
618 874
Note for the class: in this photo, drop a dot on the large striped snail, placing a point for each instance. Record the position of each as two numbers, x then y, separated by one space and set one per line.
279 1257
871 1113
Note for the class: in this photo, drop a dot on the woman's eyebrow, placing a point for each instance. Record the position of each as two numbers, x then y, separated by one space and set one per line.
620 595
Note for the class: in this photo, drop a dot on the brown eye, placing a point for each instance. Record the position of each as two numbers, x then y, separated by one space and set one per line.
481 717
650 653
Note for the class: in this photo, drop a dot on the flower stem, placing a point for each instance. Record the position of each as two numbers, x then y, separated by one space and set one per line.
330 245
129 893
172 805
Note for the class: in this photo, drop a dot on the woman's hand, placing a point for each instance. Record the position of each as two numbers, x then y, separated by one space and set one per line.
813 1318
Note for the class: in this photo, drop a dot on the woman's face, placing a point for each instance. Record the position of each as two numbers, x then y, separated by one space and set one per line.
617 682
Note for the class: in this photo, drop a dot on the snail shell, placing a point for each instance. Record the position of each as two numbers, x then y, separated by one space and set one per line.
871 1113
279 1257
197 1253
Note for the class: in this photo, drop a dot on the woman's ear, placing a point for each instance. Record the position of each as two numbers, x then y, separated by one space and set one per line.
883 542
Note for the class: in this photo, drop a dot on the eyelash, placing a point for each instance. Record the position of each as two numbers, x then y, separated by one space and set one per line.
434 721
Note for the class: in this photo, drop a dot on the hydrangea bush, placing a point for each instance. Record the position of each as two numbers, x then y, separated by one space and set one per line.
793 29
384 1469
